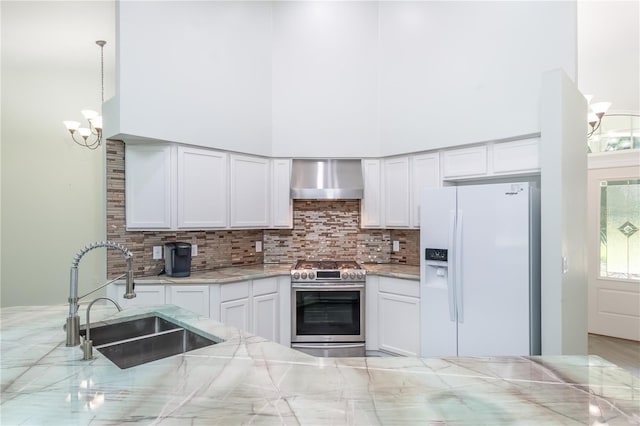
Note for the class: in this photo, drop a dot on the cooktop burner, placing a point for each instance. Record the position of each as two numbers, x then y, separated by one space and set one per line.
326 264
327 270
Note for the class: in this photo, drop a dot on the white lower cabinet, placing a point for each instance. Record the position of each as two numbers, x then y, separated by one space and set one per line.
260 307
265 309
194 298
146 295
393 323
253 306
234 304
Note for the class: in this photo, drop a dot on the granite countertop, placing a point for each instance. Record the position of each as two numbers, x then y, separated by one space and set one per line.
252 272
248 380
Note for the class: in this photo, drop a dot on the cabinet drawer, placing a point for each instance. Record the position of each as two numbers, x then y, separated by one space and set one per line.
265 286
234 291
399 286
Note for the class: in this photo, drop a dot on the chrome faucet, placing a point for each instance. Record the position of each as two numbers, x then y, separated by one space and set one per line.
73 321
87 344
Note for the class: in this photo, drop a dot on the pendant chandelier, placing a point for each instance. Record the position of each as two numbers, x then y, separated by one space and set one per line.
91 136
594 117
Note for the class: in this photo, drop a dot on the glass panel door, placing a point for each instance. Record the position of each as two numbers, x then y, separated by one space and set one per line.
619 226
324 313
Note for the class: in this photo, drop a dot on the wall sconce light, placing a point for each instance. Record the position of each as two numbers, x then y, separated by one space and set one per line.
91 137
594 118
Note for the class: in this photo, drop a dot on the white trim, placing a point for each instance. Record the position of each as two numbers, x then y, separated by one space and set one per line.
605 160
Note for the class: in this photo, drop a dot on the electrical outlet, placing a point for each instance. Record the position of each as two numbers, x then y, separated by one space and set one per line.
194 250
396 246
258 246
157 252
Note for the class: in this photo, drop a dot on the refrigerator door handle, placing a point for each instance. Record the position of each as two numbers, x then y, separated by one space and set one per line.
451 286
458 269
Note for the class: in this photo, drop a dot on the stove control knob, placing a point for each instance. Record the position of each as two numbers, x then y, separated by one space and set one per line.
359 275
312 275
352 275
296 275
304 275
345 275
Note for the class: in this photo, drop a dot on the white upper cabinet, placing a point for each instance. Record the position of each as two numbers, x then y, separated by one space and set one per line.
250 191
465 162
281 203
371 203
397 192
148 186
425 173
518 156
202 188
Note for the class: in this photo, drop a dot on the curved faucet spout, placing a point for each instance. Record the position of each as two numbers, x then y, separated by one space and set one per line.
87 345
73 321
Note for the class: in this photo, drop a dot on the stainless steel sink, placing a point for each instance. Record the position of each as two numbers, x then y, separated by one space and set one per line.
128 329
138 341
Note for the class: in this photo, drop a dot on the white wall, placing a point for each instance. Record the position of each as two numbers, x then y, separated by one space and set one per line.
343 79
609 52
325 79
53 191
196 72
563 184
462 72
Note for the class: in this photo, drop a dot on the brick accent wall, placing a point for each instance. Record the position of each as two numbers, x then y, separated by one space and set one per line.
321 230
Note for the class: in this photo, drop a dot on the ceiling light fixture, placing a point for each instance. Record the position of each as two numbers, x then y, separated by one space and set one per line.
594 117
91 137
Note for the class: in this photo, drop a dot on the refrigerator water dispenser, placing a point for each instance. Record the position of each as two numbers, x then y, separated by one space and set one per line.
437 264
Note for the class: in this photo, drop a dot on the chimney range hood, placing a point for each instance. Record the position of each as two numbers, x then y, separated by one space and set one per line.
326 179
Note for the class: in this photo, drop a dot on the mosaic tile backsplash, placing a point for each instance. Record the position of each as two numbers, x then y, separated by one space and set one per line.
321 230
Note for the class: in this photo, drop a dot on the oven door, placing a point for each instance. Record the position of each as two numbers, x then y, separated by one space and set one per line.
327 312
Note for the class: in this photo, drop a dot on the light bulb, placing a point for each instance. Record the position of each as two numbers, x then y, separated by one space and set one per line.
84 132
72 126
96 122
600 108
89 114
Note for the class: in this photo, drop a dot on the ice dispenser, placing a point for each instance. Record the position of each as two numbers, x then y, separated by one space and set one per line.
177 259
436 264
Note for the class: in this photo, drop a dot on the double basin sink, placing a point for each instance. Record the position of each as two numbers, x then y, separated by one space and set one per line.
132 342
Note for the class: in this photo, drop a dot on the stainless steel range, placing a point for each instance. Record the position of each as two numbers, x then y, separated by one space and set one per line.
327 308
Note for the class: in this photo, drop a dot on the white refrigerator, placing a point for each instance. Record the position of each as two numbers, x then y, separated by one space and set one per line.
480 270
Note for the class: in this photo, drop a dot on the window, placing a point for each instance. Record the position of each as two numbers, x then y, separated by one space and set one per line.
620 229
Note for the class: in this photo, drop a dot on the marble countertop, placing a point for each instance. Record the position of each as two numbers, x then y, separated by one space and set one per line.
252 272
248 380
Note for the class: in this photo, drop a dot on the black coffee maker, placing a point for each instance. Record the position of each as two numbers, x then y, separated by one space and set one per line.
177 259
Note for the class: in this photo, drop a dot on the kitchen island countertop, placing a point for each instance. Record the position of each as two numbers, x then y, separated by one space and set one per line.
248 380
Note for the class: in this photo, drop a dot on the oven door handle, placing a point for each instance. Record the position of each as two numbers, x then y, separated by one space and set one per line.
331 346
326 287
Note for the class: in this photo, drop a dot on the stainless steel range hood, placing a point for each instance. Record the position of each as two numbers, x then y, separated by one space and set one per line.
326 179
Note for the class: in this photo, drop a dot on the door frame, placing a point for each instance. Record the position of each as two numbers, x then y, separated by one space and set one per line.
615 324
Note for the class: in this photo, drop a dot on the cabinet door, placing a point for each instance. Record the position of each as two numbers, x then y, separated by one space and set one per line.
234 305
399 324
396 192
425 173
516 156
265 316
235 313
465 162
202 188
194 298
281 204
250 191
148 186
146 295
371 204
399 316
